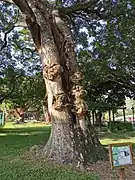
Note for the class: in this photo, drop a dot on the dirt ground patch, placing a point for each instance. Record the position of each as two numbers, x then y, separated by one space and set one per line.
103 170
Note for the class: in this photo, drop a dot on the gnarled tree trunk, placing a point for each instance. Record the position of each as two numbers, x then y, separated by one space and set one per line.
71 140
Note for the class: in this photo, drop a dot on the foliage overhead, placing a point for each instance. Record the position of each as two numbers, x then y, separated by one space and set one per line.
21 80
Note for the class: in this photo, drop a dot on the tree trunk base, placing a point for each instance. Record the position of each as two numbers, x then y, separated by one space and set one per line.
68 144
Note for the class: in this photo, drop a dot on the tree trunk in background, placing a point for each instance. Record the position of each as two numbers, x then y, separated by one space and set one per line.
113 113
71 140
44 112
93 118
20 114
109 113
124 114
98 119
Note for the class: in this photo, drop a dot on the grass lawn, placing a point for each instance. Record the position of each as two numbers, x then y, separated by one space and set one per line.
117 137
15 163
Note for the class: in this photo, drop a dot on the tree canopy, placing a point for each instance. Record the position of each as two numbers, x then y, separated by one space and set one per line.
108 65
21 80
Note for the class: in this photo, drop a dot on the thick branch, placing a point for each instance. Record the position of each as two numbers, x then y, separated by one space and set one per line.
77 7
30 20
8 1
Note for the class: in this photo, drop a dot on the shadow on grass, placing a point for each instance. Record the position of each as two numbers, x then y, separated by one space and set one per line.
117 135
17 130
16 165
16 140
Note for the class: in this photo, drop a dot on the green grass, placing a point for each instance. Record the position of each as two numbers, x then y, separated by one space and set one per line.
117 137
15 162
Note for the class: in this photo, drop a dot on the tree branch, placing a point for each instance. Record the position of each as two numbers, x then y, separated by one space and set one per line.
8 31
77 7
5 38
30 20
6 34
8 1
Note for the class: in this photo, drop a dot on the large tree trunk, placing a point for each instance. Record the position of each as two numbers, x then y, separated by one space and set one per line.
71 140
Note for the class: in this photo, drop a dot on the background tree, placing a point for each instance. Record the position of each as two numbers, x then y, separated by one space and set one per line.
29 92
107 58
21 80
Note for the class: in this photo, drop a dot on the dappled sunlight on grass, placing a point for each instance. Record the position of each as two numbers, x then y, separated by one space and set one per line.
117 137
12 125
20 139
16 162
3 134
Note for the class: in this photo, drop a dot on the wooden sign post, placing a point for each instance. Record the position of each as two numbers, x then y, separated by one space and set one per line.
121 172
121 155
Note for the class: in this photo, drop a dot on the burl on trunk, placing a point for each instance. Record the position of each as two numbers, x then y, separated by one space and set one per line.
71 140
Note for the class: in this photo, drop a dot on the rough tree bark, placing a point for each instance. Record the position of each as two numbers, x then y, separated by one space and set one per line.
71 140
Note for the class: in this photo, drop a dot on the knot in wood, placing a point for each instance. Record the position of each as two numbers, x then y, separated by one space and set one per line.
52 71
78 91
55 13
76 77
60 101
81 107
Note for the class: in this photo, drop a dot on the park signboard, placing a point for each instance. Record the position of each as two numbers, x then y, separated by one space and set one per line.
121 155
